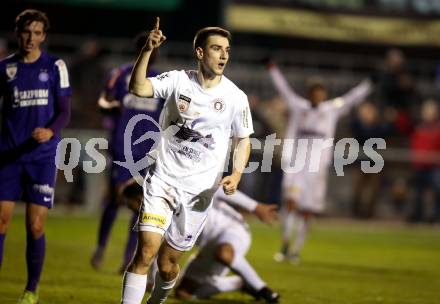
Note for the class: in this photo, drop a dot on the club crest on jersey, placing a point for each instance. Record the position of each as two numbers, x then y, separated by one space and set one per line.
218 105
183 103
11 70
43 76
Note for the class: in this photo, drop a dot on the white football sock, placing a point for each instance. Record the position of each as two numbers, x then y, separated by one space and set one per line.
242 267
161 290
133 288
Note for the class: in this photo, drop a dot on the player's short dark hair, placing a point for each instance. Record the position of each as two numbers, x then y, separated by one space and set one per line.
202 36
28 16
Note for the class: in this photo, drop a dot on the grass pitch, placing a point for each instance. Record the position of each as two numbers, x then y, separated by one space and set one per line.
343 262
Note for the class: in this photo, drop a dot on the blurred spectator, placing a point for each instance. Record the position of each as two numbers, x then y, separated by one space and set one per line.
366 125
425 149
398 90
87 75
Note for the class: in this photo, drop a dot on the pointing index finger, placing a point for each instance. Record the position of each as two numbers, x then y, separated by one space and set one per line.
156 26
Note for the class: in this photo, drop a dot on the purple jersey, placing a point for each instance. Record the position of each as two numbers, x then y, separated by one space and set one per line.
131 105
30 92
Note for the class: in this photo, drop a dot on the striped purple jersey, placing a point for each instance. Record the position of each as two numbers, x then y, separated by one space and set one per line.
30 94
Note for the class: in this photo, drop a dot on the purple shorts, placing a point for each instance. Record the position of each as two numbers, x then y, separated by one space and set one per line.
32 182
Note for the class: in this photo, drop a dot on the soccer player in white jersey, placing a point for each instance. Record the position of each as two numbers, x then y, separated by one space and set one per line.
223 246
303 193
202 110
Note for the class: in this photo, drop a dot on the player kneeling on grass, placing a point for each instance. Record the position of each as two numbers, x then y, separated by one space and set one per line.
223 244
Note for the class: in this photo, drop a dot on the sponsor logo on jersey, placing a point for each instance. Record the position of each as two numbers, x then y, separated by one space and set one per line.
218 105
183 103
29 98
11 70
153 219
186 98
47 199
188 238
43 76
186 133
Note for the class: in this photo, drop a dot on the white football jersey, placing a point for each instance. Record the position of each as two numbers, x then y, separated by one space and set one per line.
308 123
196 126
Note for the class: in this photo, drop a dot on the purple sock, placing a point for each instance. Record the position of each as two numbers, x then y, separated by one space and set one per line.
107 220
2 240
130 247
35 251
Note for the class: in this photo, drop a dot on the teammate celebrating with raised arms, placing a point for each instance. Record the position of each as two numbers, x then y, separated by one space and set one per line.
202 109
311 119
36 106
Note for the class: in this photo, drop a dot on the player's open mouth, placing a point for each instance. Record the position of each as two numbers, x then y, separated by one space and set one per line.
221 65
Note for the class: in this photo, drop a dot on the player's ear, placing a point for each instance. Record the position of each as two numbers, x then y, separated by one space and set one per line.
199 53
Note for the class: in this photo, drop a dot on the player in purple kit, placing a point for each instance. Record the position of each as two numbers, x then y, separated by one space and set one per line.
36 106
122 106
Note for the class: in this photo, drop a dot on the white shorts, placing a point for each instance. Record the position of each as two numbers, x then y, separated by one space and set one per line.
307 189
220 229
178 215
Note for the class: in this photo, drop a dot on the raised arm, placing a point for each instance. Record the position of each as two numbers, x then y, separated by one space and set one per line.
293 100
139 84
353 97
